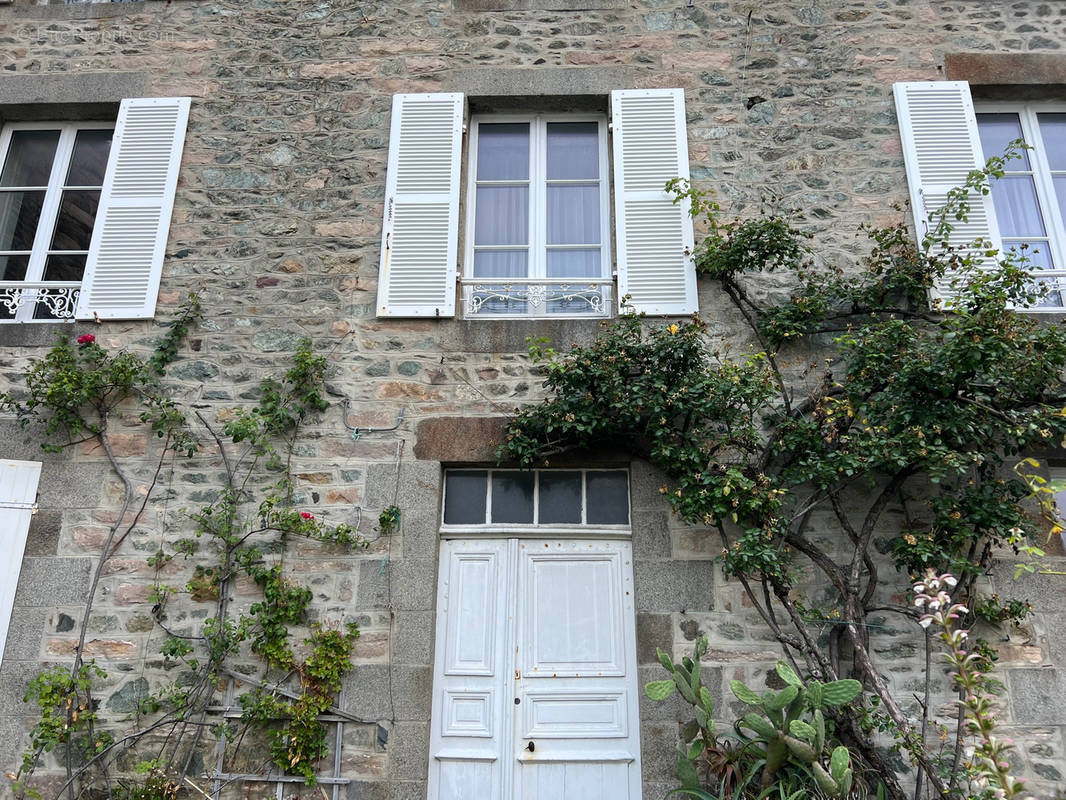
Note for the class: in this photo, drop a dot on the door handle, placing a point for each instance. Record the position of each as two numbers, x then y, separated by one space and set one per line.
531 747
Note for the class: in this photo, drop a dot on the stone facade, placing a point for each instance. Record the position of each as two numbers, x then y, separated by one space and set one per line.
277 226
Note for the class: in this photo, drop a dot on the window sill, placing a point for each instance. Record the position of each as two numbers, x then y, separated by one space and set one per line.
509 336
538 5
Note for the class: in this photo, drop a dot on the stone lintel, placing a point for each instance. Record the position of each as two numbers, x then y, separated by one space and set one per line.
459 439
1006 69
537 5
525 82
69 96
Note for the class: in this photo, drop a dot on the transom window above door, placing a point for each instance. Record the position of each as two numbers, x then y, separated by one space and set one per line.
538 217
51 178
509 499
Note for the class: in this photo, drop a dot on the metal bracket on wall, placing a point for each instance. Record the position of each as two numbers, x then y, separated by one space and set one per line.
356 431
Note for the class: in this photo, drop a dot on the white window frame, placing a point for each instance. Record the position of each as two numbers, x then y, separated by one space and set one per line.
536 277
69 290
1041 171
498 530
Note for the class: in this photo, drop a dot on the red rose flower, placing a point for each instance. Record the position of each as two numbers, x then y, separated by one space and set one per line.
86 338
307 515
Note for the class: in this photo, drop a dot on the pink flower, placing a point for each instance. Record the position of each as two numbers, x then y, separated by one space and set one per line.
86 338
307 515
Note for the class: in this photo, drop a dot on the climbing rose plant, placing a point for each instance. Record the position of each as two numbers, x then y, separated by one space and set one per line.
898 437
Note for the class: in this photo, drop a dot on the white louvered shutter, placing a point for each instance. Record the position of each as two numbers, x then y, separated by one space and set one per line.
654 236
130 235
18 492
420 236
941 146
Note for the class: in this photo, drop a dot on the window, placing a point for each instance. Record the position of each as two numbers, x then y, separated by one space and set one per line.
944 139
50 183
538 216
539 202
1030 199
84 213
500 498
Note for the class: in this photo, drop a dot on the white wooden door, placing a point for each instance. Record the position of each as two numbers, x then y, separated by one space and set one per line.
535 685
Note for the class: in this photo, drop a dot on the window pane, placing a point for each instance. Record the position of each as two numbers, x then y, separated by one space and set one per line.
1038 254
502 215
1017 209
512 497
464 497
574 214
1053 134
64 268
997 131
13 268
575 263
19 213
608 498
560 497
29 158
503 151
89 161
1060 194
573 150
500 263
74 227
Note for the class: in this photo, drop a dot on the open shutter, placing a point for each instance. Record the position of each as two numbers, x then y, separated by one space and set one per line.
130 235
18 492
654 235
420 237
941 146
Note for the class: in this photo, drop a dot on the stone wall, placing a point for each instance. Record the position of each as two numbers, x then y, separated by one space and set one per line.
277 225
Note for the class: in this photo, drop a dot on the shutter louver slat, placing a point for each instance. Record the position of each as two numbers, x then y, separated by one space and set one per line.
941 146
654 235
125 258
420 235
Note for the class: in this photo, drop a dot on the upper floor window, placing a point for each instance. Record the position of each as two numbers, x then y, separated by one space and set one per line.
537 211
1030 199
85 210
50 186
538 217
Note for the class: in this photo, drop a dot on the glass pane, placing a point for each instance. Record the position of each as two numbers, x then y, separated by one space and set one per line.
1053 135
997 131
1036 253
1060 194
502 215
560 497
74 227
575 263
19 213
574 214
464 497
29 158
573 150
607 502
89 161
1016 205
503 152
512 497
13 268
498 298
64 268
500 263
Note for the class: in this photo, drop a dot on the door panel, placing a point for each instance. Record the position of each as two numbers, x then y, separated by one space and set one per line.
534 694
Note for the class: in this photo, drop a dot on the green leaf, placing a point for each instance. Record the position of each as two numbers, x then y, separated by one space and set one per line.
840 692
802 729
781 699
760 725
744 694
659 690
686 771
839 762
788 675
705 698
